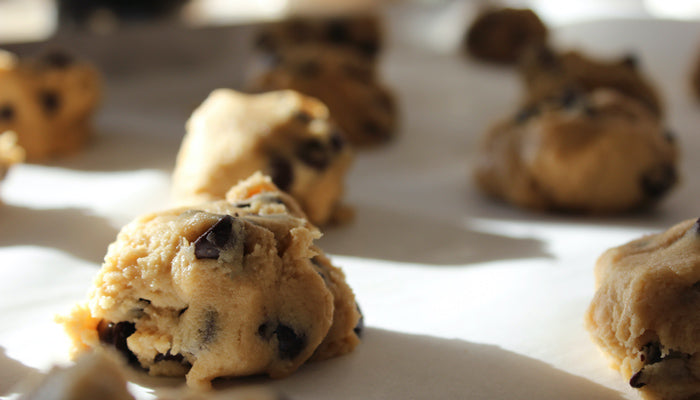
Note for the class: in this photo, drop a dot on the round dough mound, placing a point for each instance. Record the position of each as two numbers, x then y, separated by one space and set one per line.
48 102
346 83
284 134
500 35
644 314
596 153
230 288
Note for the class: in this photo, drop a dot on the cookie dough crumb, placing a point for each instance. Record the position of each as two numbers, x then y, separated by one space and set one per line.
644 315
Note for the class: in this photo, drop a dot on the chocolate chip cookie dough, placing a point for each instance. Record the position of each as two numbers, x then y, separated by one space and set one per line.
227 288
48 102
500 34
644 315
288 136
600 152
358 32
546 73
347 84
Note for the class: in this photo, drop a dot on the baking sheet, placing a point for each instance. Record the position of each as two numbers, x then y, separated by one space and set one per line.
463 297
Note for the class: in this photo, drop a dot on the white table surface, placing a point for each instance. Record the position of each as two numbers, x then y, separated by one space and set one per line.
464 298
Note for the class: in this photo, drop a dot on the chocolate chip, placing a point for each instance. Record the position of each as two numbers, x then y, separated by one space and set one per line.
169 357
57 59
651 353
281 173
360 326
337 140
308 69
220 235
630 61
50 101
7 113
373 129
303 117
368 47
115 335
209 330
338 32
289 343
526 113
313 153
636 380
657 181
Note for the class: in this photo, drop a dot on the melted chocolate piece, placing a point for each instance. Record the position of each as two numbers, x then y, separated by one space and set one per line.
50 101
303 117
289 343
657 181
360 326
281 173
169 357
209 331
220 235
313 153
115 335
636 380
7 113
338 32
337 140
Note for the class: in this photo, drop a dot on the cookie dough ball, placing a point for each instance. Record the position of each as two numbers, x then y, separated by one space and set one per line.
286 135
644 314
591 153
500 35
545 73
49 103
347 84
96 375
361 33
227 288
10 152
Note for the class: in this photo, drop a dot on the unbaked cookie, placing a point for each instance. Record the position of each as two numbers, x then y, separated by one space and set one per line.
284 134
644 314
500 35
347 84
361 33
545 73
600 152
228 288
49 102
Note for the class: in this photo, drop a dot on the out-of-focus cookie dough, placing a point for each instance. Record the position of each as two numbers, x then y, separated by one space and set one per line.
284 134
48 102
227 288
546 73
645 312
501 34
600 152
347 84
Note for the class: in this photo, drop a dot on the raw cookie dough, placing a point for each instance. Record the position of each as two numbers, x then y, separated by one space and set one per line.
645 312
284 134
95 375
361 33
600 152
48 102
500 35
546 73
227 288
10 152
346 83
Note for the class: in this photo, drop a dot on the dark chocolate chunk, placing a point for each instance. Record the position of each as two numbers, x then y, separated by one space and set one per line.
657 181
360 326
289 343
303 117
209 331
50 101
57 59
308 69
7 113
337 140
526 113
115 335
630 61
281 173
313 153
337 31
636 380
220 235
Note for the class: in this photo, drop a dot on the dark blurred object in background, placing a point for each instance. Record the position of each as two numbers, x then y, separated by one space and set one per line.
100 15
